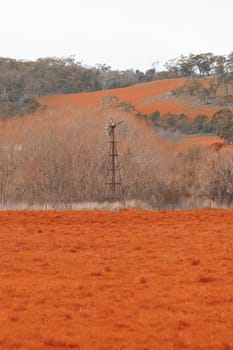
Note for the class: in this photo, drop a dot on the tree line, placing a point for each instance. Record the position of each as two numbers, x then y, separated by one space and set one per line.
21 82
200 65
220 124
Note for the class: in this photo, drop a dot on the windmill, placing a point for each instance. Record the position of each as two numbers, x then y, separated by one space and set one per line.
113 177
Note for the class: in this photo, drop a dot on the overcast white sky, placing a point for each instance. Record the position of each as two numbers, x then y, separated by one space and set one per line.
121 33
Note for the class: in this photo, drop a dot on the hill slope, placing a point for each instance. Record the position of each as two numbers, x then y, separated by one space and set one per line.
146 97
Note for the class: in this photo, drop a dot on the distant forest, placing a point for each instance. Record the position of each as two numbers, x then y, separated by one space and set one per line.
21 82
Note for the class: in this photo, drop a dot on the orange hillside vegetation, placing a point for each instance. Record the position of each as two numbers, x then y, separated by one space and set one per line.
145 97
191 141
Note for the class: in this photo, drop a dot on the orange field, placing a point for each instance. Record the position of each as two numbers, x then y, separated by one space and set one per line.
202 140
143 96
96 280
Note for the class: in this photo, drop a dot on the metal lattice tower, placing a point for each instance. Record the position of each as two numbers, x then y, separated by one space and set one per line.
113 182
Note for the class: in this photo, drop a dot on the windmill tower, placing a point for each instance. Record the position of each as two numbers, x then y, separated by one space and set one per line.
113 182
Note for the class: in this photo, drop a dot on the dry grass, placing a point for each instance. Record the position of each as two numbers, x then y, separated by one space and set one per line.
63 157
58 158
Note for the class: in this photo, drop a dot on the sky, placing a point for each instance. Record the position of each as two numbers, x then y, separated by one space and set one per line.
124 34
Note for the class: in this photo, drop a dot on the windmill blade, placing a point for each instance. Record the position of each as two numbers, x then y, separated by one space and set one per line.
110 126
120 122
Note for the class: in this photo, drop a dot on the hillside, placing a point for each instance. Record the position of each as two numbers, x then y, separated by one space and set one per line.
188 142
22 82
146 98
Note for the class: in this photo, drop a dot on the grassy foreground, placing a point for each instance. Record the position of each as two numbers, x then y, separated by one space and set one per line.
116 280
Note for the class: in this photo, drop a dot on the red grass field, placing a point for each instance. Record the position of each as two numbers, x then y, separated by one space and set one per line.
202 140
96 280
142 96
